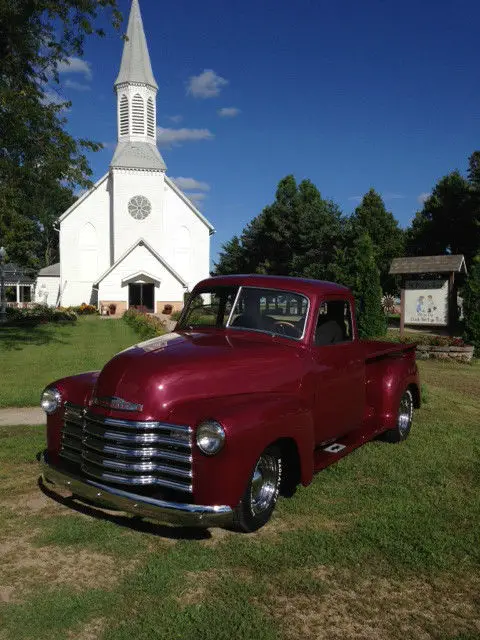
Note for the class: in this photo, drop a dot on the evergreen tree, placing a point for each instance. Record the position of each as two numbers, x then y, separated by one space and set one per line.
231 258
356 268
372 217
450 219
471 306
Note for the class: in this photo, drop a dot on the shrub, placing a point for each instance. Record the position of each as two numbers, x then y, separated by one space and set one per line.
147 326
366 288
425 339
84 309
471 307
39 314
176 315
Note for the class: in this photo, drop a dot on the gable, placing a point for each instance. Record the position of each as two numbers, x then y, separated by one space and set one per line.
189 204
83 197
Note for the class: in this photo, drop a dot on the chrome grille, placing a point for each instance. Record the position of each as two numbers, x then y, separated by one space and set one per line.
127 452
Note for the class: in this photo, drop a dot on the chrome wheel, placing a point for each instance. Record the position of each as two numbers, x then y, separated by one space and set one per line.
405 413
265 483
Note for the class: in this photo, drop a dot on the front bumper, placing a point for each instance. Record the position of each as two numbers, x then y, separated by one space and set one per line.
191 515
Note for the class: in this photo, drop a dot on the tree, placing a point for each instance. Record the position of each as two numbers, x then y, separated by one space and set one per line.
231 258
471 306
36 153
372 217
294 235
355 267
450 219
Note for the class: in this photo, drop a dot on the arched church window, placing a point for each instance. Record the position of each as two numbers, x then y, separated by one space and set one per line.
138 115
124 120
150 118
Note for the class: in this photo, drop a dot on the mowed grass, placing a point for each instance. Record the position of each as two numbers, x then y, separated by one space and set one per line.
31 358
382 546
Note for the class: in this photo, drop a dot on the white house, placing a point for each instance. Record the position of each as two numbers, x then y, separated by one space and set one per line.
134 238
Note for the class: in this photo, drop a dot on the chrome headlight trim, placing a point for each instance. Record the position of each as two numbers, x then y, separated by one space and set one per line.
50 400
210 437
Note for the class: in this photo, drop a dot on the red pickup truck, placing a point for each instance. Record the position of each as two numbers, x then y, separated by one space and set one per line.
263 383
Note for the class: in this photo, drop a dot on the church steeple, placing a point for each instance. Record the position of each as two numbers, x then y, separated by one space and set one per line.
136 66
136 90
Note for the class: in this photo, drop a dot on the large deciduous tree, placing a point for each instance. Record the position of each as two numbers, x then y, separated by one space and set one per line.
372 217
450 219
37 155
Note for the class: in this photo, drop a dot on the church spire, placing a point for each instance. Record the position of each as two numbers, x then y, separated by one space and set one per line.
136 66
136 102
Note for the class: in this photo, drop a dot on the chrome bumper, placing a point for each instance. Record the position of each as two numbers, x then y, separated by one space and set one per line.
189 515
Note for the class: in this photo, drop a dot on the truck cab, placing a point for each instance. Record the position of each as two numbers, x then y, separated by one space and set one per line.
263 383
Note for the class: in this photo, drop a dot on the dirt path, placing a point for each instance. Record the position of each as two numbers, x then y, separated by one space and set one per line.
19 416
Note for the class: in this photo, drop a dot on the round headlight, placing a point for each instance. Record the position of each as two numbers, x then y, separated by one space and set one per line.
210 437
51 400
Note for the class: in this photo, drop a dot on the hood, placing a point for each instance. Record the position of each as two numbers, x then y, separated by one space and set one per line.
153 377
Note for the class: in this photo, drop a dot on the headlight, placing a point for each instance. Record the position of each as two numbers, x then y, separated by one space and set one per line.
51 400
210 437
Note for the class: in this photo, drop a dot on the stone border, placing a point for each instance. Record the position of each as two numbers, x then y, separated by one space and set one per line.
460 354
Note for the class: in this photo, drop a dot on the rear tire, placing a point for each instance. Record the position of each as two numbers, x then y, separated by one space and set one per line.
260 497
404 420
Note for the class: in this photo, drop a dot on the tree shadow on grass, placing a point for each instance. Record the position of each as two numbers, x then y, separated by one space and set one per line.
130 522
17 338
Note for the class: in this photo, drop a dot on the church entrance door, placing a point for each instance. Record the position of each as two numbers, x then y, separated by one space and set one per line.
142 295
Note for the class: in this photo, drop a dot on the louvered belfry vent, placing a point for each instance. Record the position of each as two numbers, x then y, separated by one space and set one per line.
124 116
138 115
151 118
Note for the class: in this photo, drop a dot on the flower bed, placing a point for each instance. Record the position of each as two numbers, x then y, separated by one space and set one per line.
39 314
147 326
437 347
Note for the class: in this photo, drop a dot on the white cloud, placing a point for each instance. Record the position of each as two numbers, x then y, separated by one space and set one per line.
228 112
76 65
175 119
77 86
109 145
172 137
196 198
190 184
206 85
423 197
392 196
355 198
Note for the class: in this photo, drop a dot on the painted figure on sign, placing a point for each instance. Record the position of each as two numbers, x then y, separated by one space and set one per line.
420 303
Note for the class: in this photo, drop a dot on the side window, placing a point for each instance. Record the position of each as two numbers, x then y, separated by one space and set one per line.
334 323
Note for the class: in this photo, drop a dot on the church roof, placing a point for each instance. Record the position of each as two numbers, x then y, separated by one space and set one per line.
136 65
52 270
137 155
143 243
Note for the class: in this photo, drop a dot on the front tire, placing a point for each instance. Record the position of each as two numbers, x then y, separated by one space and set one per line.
404 420
260 497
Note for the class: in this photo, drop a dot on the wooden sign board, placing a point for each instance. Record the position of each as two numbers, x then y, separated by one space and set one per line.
426 302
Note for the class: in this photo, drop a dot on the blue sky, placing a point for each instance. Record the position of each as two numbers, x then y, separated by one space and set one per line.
350 94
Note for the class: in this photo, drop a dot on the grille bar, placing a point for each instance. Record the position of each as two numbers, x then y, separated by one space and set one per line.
128 452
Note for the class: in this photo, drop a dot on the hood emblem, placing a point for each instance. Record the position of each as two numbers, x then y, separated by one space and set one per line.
112 402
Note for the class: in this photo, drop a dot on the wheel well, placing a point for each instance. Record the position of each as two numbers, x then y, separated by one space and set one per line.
291 471
416 395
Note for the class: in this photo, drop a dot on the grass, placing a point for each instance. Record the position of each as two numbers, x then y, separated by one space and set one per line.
32 357
383 545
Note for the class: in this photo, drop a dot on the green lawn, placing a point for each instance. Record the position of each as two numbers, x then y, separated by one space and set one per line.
382 546
30 358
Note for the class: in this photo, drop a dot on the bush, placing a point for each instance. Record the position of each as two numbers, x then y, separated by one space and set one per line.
371 320
425 339
176 315
83 310
471 307
39 314
147 326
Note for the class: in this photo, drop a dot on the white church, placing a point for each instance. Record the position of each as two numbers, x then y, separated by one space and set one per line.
134 239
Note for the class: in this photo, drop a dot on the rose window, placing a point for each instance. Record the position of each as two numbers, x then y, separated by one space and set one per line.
139 207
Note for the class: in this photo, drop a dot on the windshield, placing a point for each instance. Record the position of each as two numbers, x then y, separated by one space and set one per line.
277 312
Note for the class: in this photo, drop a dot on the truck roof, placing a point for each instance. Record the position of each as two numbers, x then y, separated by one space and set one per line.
286 283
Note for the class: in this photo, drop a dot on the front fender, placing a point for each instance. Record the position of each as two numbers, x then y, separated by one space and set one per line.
251 423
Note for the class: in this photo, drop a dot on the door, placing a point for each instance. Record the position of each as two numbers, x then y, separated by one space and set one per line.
339 369
142 296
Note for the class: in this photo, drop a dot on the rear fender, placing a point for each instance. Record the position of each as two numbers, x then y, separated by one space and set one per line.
252 422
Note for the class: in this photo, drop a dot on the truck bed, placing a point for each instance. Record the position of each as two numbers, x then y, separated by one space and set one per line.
377 349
